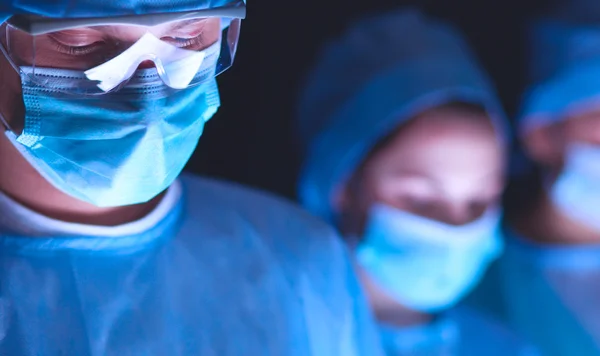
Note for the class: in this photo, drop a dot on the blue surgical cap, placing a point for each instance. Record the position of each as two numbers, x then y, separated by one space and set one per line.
382 72
96 8
564 70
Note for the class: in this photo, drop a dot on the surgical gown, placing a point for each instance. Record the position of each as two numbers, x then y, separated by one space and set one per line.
458 332
225 271
553 295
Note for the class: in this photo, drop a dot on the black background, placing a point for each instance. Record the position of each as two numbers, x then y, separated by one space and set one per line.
250 140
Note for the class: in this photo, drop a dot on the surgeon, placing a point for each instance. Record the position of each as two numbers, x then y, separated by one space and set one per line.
551 270
105 248
405 154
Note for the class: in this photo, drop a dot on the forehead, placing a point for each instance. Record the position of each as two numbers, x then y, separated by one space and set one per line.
439 127
581 126
441 143
590 118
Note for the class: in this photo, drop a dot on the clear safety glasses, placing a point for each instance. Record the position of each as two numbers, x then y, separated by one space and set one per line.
182 49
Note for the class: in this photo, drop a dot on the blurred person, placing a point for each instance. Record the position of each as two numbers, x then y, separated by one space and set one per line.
405 154
551 269
105 248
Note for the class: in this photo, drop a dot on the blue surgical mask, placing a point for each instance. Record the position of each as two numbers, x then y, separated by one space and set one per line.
427 265
576 192
116 149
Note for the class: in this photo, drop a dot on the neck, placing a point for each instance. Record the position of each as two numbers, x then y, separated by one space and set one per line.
24 184
387 310
544 222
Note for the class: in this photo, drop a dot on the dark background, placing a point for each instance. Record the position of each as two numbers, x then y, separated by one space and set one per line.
250 140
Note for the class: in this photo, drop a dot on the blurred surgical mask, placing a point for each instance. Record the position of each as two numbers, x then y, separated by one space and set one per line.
576 192
427 265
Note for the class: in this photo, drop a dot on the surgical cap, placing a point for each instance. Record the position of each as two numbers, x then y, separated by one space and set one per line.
379 74
96 8
564 71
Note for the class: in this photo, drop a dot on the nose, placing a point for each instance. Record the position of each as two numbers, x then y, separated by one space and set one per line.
459 214
146 64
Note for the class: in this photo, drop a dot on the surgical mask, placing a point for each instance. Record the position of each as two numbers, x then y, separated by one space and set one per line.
427 265
576 192
116 149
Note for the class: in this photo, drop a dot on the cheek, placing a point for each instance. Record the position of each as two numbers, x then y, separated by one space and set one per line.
373 190
11 100
362 194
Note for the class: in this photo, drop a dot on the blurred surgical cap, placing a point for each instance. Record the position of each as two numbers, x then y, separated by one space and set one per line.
564 67
380 73
97 8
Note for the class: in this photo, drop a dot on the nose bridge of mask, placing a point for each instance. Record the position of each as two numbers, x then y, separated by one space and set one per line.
176 66
432 232
4 122
585 158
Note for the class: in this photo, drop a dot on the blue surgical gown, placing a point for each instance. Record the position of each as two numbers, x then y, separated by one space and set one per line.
459 332
552 295
229 271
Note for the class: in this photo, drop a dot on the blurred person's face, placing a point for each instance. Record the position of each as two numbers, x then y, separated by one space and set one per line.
547 145
446 164
568 151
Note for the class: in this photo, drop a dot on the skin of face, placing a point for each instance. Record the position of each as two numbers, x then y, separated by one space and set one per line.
445 164
547 146
21 181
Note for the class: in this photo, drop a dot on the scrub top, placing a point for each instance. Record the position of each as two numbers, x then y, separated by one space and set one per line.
215 269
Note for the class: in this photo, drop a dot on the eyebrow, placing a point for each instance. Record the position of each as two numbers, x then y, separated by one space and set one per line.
432 180
402 172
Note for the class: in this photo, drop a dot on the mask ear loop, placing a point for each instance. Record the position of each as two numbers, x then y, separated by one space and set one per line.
4 51
5 123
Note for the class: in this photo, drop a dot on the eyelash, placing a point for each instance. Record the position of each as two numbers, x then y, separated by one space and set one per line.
88 49
185 42
77 50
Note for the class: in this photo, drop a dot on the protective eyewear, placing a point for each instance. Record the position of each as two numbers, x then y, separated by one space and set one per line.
183 48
